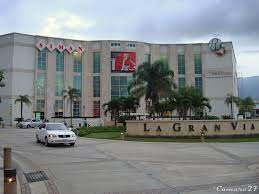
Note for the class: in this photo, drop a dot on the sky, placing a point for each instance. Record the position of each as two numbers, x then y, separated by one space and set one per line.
154 21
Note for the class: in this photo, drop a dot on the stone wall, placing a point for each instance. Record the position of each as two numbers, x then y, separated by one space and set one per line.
192 128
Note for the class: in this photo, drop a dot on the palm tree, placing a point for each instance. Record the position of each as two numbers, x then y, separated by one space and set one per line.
246 105
71 95
23 99
129 104
154 81
114 107
230 99
199 102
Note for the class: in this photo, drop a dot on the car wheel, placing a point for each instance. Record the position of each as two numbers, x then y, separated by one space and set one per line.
46 142
28 126
37 139
72 144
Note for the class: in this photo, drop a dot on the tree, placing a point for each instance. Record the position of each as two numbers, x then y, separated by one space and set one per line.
246 105
23 99
114 107
230 100
1 80
71 95
198 102
154 81
129 104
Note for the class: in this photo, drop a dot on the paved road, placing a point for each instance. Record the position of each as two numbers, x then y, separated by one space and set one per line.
104 166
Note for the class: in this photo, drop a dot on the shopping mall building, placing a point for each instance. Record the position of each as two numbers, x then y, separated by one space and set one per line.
43 66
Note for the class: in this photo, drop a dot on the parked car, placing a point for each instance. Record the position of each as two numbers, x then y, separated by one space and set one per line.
28 123
55 133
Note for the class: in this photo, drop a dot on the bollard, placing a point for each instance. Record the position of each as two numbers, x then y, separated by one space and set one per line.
202 137
10 184
7 158
122 136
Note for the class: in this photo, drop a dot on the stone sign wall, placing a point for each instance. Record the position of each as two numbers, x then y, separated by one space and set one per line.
192 128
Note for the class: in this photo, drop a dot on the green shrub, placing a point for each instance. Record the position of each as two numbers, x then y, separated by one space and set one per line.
84 131
122 119
226 117
212 117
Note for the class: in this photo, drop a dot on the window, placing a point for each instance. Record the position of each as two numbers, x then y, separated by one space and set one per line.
42 55
59 61
147 58
77 109
181 82
40 105
40 84
96 62
77 83
77 62
59 84
119 86
96 86
197 64
181 64
198 83
58 108
96 108
164 60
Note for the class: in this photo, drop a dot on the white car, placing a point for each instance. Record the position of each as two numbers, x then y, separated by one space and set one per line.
55 133
28 123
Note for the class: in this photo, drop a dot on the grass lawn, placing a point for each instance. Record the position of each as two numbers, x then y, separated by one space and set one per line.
117 135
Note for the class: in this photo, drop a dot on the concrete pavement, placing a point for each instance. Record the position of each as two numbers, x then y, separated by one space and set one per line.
105 166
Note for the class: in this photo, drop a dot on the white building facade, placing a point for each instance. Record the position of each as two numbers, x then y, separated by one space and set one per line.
42 67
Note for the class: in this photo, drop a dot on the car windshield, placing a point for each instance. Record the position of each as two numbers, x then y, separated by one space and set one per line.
27 120
58 126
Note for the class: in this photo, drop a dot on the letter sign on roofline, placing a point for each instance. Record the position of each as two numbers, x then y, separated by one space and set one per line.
80 49
51 46
61 47
41 45
70 48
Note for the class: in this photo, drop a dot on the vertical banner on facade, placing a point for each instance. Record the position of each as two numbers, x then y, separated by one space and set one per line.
123 61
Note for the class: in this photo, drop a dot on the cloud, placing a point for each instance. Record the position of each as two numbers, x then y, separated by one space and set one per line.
65 24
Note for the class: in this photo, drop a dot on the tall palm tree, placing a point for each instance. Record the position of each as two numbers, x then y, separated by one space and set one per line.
23 99
230 100
114 107
153 81
246 105
71 95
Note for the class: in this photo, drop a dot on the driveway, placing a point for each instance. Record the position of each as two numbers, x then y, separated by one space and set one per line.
106 166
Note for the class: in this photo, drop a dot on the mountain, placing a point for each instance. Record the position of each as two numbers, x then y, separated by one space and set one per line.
249 86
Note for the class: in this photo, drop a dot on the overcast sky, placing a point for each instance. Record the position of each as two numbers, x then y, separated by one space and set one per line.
155 21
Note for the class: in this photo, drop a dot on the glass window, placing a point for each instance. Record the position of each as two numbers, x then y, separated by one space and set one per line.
77 109
119 86
197 63
147 58
58 108
40 84
77 83
181 64
59 84
96 62
77 62
59 61
181 82
42 56
96 86
198 83
96 108
164 59
40 105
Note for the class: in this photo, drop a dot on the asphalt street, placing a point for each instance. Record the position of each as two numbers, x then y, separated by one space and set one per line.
106 166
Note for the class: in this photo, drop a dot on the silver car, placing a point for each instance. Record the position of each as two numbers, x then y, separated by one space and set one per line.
28 123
